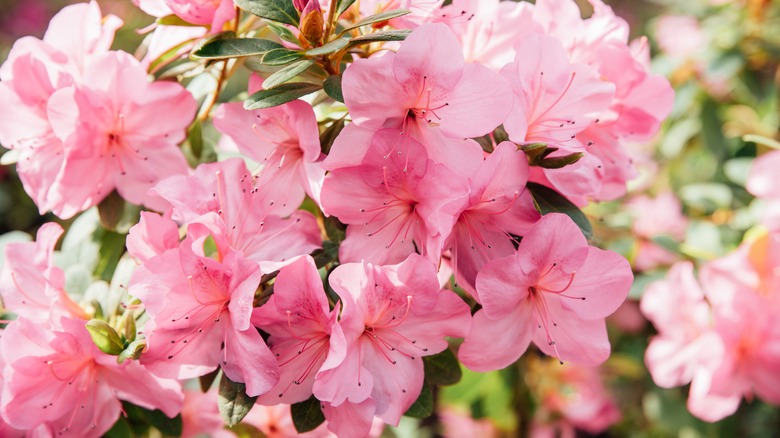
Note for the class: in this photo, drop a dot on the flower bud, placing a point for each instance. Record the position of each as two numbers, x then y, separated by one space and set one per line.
105 337
312 24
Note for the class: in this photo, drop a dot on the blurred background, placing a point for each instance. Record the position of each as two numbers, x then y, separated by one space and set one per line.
689 203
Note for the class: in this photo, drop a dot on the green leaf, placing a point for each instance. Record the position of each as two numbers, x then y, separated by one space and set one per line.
277 96
110 210
233 402
376 37
132 351
281 11
533 147
208 380
442 369
332 87
160 421
667 242
378 18
550 201
120 429
281 56
343 6
559 162
423 406
333 46
287 73
307 415
235 48
112 246
284 33
105 337
329 135
500 135
195 138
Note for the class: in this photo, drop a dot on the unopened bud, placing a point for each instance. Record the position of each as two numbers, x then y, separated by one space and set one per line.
105 337
300 4
312 24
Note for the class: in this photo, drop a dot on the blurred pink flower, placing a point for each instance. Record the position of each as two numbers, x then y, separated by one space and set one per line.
661 216
679 36
762 183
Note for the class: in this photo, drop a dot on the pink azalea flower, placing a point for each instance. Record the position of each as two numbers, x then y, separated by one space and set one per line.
304 331
572 398
430 93
680 36
224 196
34 70
459 424
152 236
61 380
395 203
119 131
556 291
498 207
762 183
200 416
753 268
285 140
580 38
31 286
489 29
212 13
659 216
421 11
200 311
678 310
392 316
750 336
276 422
554 100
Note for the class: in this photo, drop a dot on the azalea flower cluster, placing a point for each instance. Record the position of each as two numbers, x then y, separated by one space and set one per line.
313 271
720 332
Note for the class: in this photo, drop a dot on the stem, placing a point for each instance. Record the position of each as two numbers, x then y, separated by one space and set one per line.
214 97
331 19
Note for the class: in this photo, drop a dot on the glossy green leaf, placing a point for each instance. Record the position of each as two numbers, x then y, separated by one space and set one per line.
105 337
307 415
284 33
550 201
277 96
333 46
332 87
233 402
329 135
378 18
388 35
343 6
442 369
281 56
281 11
423 406
235 48
287 73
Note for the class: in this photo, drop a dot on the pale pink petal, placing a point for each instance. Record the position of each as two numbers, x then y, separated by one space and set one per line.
493 344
